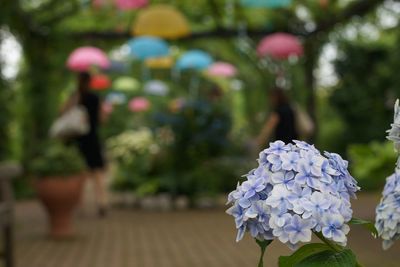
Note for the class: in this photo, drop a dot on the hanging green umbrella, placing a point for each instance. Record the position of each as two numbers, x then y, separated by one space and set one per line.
125 83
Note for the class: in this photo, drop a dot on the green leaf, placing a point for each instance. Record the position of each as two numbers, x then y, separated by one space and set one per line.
302 253
330 258
367 225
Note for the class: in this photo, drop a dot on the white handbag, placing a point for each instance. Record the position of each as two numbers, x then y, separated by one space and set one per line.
73 123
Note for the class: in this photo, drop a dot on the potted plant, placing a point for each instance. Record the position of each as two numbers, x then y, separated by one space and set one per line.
59 177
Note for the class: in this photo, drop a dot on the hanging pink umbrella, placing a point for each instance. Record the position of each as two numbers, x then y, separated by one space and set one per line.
83 58
280 46
222 69
130 4
139 104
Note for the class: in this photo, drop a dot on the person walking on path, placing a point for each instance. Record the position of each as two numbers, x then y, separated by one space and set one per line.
281 124
89 144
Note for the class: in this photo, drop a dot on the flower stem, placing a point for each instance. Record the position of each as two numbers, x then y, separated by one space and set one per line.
261 261
263 246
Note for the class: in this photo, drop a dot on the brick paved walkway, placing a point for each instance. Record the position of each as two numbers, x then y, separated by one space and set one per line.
132 238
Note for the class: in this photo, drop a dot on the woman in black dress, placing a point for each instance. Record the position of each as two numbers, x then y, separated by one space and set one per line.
89 144
281 124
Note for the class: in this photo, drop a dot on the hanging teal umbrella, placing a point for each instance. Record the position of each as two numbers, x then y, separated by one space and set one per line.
148 47
266 3
195 60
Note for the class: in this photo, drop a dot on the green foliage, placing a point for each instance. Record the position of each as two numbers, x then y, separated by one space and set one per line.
5 119
327 253
344 258
48 30
372 163
365 94
213 176
56 160
132 151
331 127
302 253
370 226
200 132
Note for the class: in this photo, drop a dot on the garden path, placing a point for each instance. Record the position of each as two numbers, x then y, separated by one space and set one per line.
195 238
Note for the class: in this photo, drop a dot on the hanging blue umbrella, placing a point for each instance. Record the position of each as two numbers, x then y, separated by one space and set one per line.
116 98
266 3
147 47
195 60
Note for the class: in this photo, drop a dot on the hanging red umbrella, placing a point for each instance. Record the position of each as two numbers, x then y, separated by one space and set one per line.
130 4
83 58
280 46
100 82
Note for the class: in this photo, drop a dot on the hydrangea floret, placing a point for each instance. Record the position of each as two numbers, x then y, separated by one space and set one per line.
293 192
388 211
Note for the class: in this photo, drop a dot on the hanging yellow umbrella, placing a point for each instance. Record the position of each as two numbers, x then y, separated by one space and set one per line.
159 62
161 20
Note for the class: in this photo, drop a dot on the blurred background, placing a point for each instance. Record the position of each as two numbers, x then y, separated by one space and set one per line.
184 86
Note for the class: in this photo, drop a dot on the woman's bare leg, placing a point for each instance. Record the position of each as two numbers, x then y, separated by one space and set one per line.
99 177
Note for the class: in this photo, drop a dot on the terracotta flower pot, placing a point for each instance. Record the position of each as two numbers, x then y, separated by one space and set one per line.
60 196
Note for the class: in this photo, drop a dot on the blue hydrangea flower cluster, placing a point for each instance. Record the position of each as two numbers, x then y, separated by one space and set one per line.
294 191
388 211
394 132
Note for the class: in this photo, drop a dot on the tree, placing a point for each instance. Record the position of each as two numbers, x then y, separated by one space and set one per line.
367 89
34 27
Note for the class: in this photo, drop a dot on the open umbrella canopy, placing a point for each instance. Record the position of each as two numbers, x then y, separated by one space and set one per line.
139 104
194 59
117 67
222 69
148 47
130 4
280 46
116 98
266 3
125 83
161 20
100 82
159 62
83 58
156 87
